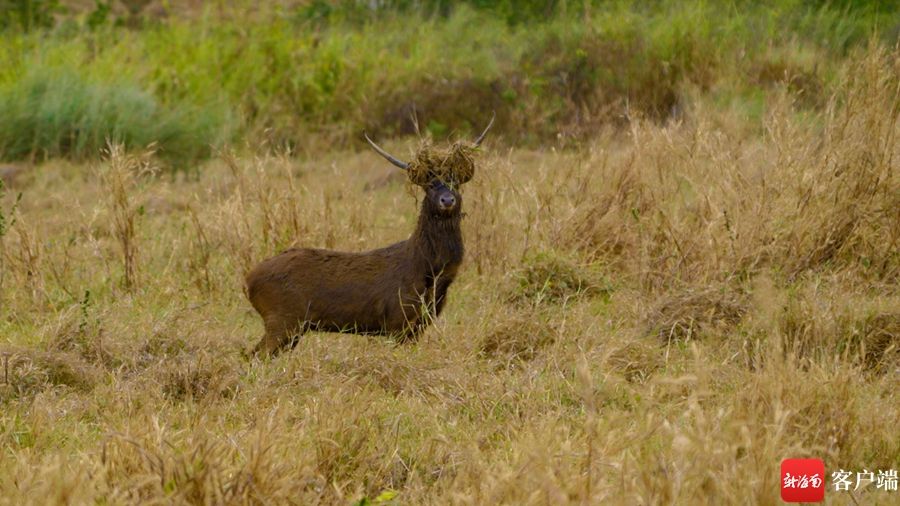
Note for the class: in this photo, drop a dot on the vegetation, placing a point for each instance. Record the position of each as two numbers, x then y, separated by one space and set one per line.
52 113
683 252
317 75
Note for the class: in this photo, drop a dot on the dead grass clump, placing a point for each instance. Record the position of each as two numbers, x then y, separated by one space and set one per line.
695 201
29 372
819 324
343 447
383 370
162 346
151 463
195 476
550 277
635 360
696 312
878 336
453 165
521 337
367 449
196 378
76 331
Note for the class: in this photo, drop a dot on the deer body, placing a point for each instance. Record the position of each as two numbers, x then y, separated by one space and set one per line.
395 290
390 291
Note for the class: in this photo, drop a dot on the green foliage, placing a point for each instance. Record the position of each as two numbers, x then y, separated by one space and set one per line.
27 15
329 70
55 112
99 15
534 11
385 497
512 13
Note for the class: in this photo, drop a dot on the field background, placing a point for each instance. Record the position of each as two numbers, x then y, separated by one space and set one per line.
683 249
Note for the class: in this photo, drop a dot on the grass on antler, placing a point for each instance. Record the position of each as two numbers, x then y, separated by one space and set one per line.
454 163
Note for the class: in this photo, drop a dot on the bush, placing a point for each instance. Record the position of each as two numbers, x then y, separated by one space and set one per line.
551 277
27 14
54 112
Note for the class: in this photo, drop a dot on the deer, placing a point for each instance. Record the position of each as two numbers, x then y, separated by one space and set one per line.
397 290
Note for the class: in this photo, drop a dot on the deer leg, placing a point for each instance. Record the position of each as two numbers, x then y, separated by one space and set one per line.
267 346
440 297
412 331
280 335
295 338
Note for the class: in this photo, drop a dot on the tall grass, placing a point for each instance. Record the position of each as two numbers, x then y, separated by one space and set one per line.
119 178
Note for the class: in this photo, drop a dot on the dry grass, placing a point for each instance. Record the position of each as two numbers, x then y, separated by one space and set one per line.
660 316
453 164
118 177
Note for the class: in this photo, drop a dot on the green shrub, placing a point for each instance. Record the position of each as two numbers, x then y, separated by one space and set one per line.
26 15
54 112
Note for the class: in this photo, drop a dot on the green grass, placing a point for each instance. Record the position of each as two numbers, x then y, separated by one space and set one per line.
320 74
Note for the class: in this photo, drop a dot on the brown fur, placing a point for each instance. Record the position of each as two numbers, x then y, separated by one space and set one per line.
395 290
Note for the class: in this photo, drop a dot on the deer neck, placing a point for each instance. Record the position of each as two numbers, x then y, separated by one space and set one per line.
437 242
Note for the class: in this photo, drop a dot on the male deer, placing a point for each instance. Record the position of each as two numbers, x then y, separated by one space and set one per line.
396 290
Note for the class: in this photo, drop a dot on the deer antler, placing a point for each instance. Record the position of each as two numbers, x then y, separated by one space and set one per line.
483 134
385 154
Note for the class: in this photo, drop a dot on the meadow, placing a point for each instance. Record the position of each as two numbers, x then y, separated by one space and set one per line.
682 251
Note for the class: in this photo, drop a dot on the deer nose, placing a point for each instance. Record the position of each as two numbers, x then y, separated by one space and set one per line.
448 201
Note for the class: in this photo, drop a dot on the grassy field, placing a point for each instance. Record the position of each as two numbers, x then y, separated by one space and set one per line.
669 286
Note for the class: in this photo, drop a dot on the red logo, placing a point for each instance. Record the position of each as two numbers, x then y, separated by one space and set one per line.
802 480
